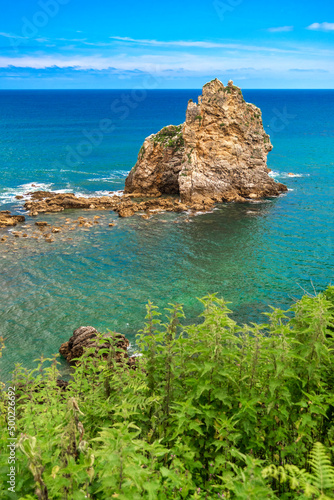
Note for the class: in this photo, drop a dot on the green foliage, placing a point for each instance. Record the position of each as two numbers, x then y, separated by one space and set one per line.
213 410
170 137
141 152
229 89
319 483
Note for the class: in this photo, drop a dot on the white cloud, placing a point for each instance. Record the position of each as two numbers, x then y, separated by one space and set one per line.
280 29
200 44
177 43
173 61
9 35
321 27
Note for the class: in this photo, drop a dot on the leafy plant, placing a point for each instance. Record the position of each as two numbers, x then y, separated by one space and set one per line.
212 410
319 483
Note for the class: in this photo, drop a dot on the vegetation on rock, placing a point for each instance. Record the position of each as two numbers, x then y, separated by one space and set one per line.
170 137
214 410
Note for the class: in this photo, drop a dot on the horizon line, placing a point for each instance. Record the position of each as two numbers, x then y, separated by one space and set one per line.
156 90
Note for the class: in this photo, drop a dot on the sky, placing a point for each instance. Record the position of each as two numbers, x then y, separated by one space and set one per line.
105 44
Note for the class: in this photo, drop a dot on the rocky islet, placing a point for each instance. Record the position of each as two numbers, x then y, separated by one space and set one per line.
219 154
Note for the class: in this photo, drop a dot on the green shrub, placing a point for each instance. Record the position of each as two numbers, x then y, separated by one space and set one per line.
213 410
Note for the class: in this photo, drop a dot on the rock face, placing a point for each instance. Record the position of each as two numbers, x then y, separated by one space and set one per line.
8 220
85 337
218 154
159 164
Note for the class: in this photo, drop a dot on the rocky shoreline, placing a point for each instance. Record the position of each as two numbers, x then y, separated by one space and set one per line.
8 220
124 206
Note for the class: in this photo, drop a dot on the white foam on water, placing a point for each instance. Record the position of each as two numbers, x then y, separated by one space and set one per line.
98 194
74 171
8 195
203 213
286 175
117 174
116 193
274 174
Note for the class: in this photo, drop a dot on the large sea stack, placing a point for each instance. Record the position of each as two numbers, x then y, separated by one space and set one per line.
218 154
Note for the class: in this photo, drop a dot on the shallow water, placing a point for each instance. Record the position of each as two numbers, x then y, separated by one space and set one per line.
252 254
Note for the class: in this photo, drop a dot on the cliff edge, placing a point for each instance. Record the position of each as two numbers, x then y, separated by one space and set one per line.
218 154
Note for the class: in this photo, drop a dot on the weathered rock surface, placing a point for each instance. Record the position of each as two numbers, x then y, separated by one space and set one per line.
218 154
159 164
8 220
85 337
125 206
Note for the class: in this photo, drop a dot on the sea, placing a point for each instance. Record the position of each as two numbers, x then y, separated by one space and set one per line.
255 255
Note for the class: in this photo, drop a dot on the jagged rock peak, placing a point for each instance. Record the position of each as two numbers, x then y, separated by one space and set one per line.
218 154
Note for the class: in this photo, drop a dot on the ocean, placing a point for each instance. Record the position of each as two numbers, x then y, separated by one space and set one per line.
254 254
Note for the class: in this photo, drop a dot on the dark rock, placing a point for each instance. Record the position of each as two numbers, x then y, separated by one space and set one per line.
84 338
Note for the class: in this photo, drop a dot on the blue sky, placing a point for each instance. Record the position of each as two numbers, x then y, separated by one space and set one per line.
174 44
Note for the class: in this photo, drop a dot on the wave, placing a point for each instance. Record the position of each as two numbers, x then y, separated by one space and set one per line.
117 174
8 195
98 194
73 171
285 175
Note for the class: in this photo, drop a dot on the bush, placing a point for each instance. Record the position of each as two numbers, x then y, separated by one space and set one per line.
213 410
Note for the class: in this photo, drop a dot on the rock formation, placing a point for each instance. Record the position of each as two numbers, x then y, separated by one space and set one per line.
218 154
125 206
86 337
8 220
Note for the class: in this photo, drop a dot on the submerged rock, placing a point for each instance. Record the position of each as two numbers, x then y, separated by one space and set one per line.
218 154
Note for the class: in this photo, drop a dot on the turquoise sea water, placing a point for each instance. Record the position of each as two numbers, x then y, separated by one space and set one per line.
253 254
